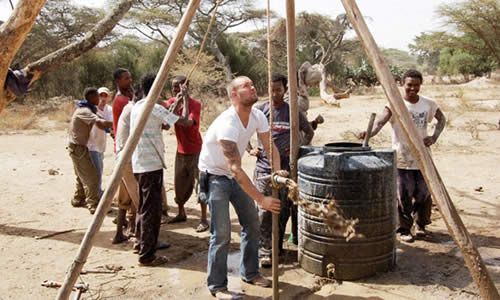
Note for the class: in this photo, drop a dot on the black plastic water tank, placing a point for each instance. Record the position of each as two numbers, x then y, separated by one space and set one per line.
363 183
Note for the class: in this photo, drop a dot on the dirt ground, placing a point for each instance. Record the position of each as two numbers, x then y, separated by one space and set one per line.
33 203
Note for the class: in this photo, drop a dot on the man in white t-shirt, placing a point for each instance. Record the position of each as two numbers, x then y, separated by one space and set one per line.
97 138
223 181
414 199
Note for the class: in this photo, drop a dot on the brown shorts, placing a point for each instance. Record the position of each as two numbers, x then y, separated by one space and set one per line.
186 171
127 195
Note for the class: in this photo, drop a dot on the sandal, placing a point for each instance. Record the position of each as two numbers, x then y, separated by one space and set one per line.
177 219
203 226
159 260
259 280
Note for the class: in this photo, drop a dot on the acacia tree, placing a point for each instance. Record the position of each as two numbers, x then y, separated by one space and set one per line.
476 23
319 39
470 46
59 23
18 27
155 19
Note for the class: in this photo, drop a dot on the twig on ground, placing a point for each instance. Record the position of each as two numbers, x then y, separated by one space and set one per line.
48 235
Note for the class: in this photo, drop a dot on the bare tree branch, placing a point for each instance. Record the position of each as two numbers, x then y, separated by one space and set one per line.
76 49
136 28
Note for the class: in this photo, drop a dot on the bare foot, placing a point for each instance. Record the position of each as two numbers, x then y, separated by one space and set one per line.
131 230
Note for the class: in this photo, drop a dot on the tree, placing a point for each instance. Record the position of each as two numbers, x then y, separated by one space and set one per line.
34 70
476 23
426 48
471 46
155 19
242 60
12 34
456 61
319 39
59 23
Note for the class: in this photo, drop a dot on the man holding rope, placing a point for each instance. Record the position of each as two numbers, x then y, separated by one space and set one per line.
223 180
187 132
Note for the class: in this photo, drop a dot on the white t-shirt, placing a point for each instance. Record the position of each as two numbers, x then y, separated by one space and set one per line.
422 114
97 138
148 155
227 126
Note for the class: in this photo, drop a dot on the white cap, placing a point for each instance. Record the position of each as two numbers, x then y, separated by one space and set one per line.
104 90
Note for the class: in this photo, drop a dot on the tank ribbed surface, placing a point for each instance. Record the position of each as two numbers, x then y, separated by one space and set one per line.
362 182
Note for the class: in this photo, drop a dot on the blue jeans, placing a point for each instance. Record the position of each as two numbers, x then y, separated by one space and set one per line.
221 191
98 161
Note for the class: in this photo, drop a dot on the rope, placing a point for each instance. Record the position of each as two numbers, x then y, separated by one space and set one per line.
269 86
177 101
202 46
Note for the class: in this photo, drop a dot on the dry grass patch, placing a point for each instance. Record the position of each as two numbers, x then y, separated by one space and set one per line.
211 109
18 118
63 113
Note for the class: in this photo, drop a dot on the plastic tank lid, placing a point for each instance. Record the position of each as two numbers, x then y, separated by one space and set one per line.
345 147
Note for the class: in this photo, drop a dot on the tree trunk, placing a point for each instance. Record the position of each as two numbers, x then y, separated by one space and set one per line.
12 34
214 48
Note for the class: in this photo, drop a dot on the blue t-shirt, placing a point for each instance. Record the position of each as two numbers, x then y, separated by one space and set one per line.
281 135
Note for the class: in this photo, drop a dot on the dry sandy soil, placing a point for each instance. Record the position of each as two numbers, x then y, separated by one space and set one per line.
34 203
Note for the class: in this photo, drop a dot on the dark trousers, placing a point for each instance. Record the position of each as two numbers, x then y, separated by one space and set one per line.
293 217
186 170
266 217
148 220
414 200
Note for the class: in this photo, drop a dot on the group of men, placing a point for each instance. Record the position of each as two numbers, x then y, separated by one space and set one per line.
141 195
216 162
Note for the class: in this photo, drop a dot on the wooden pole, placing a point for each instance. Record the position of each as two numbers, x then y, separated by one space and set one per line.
126 153
369 129
436 186
291 45
275 217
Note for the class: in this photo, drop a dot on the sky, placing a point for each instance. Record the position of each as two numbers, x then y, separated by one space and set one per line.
393 23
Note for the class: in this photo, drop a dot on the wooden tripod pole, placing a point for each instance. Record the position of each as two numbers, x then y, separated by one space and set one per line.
436 186
291 45
126 153
275 217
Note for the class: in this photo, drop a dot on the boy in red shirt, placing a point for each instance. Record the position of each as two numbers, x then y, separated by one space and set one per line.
187 131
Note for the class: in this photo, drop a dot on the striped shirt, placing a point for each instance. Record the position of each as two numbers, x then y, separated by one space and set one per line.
148 155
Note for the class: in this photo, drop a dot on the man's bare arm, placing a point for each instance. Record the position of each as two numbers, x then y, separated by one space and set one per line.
233 158
308 134
379 123
103 124
252 151
441 123
184 119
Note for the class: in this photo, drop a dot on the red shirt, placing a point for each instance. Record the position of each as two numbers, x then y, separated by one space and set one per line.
118 104
188 137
